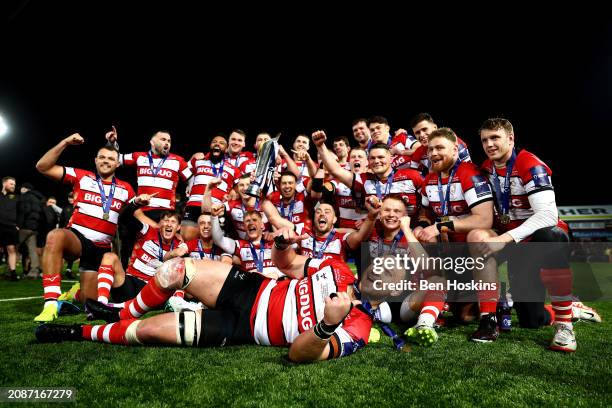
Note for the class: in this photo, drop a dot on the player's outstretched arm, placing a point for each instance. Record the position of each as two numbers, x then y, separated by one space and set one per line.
365 229
284 256
314 344
273 216
343 175
47 164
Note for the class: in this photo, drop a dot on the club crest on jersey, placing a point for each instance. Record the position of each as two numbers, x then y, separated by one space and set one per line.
539 175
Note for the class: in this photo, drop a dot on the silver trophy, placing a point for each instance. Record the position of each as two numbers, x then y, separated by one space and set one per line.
264 167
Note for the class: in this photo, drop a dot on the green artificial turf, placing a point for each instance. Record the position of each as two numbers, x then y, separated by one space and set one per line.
516 370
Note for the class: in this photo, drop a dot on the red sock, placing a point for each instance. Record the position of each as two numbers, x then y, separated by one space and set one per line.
113 333
179 293
558 282
106 277
52 286
150 297
487 301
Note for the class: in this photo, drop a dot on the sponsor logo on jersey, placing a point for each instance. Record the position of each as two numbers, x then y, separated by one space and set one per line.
540 176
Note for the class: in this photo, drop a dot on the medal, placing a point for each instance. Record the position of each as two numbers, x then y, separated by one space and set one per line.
445 199
446 218
105 200
502 192
155 170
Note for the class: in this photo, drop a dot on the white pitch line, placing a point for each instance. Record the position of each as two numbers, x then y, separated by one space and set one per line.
25 298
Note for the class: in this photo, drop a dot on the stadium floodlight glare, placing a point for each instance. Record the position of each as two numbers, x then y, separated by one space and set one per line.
3 127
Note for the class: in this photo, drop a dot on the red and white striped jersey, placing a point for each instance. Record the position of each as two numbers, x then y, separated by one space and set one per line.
146 256
203 172
403 141
530 175
336 248
468 189
380 246
284 309
236 210
163 183
88 215
248 166
405 182
197 250
241 158
349 211
244 251
299 215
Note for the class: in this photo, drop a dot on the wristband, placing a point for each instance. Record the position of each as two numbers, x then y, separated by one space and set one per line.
324 331
281 243
448 224
317 185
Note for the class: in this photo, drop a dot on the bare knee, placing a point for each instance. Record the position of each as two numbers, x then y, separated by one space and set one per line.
55 240
109 258
479 235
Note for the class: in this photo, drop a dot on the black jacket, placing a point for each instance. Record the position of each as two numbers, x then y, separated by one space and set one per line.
29 210
8 209
65 215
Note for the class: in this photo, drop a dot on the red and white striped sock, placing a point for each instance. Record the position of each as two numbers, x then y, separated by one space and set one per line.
52 287
113 333
179 293
432 304
106 277
558 282
150 297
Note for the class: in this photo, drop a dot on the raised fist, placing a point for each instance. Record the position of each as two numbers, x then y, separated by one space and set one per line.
319 138
74 139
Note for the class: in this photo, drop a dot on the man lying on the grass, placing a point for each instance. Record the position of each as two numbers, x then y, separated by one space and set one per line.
312 311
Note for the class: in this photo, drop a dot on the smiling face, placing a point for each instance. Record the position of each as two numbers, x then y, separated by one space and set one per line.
358 161
301 143
168 227
253 226
497 144
391 211
107 162
236 143
287 186
379 132
442 153
379 161
324 218
161 143
242 186
423 129
361 133
218 146
341 149
205 226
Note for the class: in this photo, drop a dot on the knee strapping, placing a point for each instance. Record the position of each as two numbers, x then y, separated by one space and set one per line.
176 273
188 327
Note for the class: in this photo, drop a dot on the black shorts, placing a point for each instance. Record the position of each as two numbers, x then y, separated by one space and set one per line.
8 235
230 322
91 254
128 290
192 213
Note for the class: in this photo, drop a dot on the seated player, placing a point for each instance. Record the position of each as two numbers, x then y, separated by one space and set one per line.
150 251
316 312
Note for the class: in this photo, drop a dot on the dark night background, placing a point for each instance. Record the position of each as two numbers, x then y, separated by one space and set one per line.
82 66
